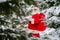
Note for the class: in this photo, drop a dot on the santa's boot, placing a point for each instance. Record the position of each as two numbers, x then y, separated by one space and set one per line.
37 35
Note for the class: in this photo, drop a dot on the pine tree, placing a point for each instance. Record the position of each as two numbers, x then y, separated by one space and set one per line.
10 12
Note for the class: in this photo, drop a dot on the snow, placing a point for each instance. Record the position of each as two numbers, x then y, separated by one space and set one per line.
52 34
55 11
3 27
2 1
14 15
29 8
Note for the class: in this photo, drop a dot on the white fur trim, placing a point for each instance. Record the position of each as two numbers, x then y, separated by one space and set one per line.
32 21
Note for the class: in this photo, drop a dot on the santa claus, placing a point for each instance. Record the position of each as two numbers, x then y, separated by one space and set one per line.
37 22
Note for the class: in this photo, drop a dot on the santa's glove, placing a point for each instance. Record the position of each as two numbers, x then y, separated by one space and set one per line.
32 20
49 30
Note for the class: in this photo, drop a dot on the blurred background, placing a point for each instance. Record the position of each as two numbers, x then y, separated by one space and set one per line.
14 16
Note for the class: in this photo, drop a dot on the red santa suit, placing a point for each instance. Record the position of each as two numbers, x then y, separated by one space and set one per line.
38 25
38 22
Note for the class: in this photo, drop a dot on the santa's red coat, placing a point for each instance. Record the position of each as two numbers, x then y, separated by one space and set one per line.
38 22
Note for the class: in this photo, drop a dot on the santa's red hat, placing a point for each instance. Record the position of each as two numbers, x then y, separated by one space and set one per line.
36 7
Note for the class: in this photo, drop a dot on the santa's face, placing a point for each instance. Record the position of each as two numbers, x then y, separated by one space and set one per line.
35 11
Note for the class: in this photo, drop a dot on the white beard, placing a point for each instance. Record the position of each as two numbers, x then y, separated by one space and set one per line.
35 12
